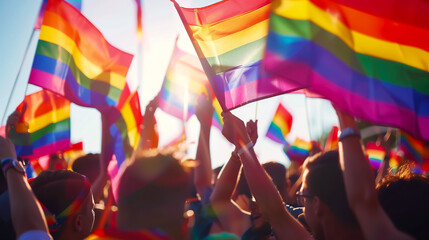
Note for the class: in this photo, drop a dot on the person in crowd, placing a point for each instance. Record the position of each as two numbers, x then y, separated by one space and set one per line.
322 220
404 196
67 201
151 196
26 213
360 185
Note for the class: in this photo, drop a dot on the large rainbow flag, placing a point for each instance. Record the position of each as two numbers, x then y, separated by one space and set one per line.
229 38
75 3
47 118
415 150
280 126
370 58
74 60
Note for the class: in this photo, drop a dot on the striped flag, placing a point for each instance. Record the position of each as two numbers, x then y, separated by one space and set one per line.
229 38
74 60
369 58
184 82
415 150
299 150
139 20
332 139
375 154
47 120
75 3
280 126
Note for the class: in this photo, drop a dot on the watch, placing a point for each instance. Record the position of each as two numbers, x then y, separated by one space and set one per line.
8 163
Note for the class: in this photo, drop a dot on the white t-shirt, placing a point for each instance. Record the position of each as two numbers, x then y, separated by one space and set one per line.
35 235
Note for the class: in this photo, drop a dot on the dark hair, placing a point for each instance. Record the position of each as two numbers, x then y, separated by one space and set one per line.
152 191
56 190
405 198
88 165
325 180
277 172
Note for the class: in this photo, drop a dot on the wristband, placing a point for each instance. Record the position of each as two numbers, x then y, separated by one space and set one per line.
349 132
245 148
8 163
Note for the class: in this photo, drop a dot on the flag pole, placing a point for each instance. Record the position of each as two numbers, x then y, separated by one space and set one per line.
256 110
17 77
204 63
307 116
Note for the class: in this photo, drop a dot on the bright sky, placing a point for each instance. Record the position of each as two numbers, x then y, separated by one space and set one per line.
116 19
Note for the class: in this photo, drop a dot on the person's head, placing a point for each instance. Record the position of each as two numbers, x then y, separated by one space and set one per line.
404 196
88 165
323 193
277 172
152 193
67 201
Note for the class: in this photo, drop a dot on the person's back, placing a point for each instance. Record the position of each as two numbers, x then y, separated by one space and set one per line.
404 196
152 194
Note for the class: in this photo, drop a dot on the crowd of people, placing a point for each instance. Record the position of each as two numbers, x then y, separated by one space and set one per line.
333 195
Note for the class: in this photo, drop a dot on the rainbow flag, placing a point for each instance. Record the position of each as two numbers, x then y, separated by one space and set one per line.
229 38
415 150
47 121
184 83
73 152
75 3
299 150
369 58
332 139
280 126
395 160
74 60
375 154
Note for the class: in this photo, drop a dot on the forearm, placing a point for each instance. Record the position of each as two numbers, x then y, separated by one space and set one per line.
203 173
226 182
269 199
25 210
358 177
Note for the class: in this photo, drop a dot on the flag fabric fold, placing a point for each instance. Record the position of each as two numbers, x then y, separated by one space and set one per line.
280 126
229 38
369 60
74 60
47 118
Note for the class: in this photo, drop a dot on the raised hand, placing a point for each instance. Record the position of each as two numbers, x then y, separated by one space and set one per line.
234 130
252 130
204 110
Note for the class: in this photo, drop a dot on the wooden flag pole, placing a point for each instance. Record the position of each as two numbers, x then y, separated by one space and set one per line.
17 77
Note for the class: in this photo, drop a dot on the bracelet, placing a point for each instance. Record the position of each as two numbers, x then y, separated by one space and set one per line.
349 132
245 148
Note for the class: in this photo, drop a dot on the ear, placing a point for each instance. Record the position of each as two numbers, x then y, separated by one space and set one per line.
78 225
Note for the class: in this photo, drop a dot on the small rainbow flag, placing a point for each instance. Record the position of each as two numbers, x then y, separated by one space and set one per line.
299 150
375 154
332 139
75 3
395 160
229 38
415 150
184 82
74 60
280 126
48 120
342 49
73 152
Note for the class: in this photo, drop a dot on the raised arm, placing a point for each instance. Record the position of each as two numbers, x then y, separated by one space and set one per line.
203 173
360 184
231 218
264 191
149 130
27 215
